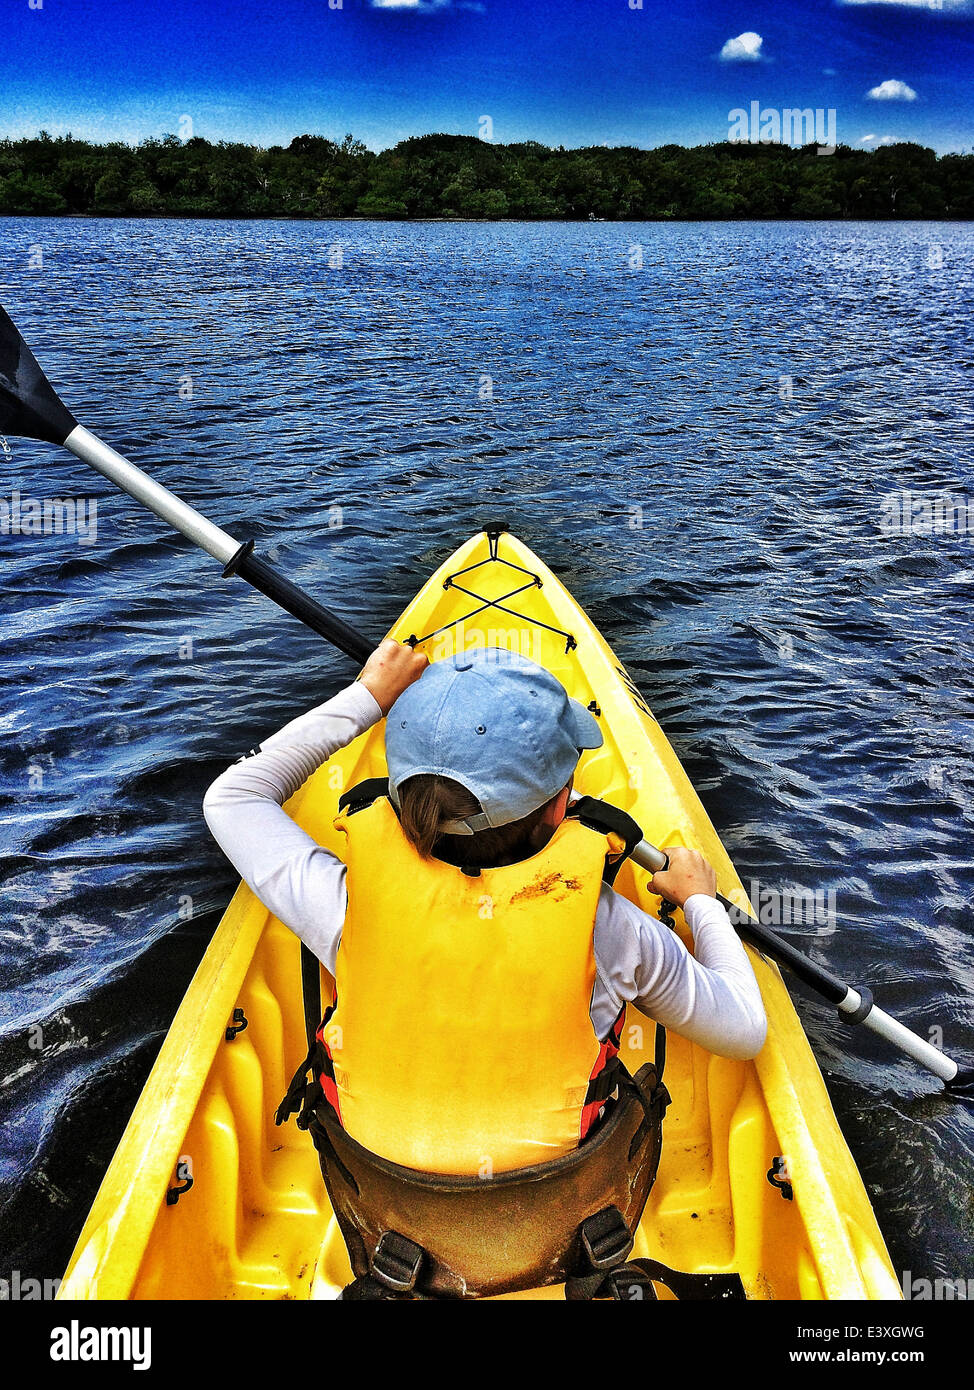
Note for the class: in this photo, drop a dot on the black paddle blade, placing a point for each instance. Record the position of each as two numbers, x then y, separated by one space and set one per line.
962 1085
29 404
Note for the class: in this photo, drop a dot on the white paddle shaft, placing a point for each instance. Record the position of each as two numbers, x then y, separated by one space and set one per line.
166 505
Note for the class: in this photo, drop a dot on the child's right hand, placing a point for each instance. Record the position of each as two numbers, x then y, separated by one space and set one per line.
390 670
689 873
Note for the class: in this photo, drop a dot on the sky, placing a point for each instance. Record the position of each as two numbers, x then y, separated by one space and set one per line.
563 72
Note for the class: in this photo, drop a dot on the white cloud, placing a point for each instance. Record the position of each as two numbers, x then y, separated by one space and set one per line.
746 48
892 90
878 140
941 5
427 6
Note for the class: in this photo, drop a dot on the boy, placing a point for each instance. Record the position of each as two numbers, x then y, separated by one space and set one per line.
482 967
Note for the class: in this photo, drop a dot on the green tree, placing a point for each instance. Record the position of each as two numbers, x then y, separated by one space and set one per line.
460 176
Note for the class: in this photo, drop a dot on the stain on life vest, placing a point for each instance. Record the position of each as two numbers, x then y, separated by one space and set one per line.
549 885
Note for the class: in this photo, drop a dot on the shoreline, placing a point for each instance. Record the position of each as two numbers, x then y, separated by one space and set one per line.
460 221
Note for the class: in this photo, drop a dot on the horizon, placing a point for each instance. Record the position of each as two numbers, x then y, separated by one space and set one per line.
609 73
40 135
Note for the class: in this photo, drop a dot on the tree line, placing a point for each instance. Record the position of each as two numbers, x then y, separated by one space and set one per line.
456 176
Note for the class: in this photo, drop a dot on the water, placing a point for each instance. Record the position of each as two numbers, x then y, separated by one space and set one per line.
694 425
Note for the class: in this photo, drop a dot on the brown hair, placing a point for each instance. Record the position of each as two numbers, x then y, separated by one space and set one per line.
426 802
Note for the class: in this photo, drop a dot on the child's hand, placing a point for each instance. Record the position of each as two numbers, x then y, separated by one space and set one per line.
688 873
390 670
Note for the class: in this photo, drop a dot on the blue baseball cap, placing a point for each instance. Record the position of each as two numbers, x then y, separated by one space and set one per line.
500 725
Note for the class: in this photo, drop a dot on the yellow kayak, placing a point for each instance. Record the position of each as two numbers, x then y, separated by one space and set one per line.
206 1198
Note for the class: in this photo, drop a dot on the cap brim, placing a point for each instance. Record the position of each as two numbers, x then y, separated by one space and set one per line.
587 731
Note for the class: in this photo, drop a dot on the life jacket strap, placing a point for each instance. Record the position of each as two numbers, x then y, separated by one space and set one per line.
303 1094
605 1241
300 1096
310 992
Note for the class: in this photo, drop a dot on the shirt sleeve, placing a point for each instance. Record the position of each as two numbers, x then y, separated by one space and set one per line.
711 998
298 880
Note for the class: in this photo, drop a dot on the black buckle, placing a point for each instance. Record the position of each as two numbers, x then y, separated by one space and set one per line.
606 1239
629 1285
397 1262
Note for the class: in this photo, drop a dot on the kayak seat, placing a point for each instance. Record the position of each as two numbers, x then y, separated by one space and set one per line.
398 1266
432 1235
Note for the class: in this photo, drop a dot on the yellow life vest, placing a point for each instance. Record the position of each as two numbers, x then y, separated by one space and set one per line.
461 1040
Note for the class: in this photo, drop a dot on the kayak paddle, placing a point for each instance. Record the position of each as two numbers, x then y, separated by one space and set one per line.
30 407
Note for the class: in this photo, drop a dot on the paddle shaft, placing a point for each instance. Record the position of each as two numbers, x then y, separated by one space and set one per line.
857 1007
166 505
235 558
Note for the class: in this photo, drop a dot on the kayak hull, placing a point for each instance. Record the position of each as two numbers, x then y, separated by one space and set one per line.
255 1223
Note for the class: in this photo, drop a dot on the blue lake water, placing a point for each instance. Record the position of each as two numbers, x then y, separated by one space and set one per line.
698 426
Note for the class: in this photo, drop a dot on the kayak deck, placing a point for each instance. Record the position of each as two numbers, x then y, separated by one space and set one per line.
256 1222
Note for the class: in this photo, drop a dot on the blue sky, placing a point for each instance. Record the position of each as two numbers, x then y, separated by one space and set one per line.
572 72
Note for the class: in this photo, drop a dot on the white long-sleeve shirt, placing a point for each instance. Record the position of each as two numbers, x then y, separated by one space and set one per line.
713 998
